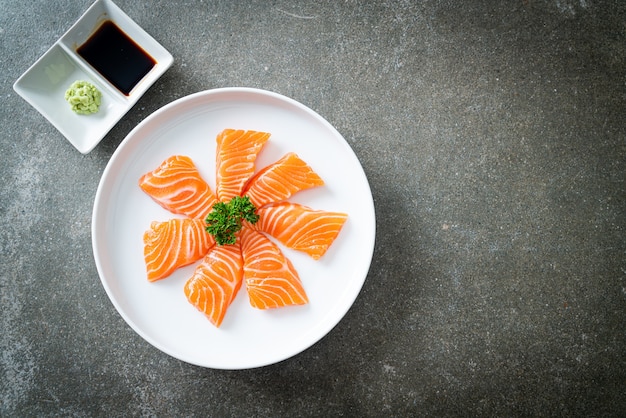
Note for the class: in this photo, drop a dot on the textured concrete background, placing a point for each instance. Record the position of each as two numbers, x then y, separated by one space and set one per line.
493 135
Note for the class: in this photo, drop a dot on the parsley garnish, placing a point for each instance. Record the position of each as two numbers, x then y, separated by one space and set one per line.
225 219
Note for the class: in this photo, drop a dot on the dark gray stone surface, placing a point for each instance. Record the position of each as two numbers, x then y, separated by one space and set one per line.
493 135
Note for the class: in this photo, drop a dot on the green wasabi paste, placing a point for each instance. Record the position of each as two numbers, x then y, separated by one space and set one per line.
83 97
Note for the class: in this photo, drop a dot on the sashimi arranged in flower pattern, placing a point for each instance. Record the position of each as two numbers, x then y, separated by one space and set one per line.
247 256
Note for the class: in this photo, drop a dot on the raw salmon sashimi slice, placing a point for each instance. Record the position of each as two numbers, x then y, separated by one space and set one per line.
236 153
270 278
172 244
300 227
177 186
216 281
279 181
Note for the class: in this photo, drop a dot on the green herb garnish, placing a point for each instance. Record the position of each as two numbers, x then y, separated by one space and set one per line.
225 219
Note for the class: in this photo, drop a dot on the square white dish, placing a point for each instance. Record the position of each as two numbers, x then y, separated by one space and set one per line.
44 84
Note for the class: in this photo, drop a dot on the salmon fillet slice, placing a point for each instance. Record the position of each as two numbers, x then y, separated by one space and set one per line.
236 153
270 278
281 180
216 281
177 186
301 228
173 244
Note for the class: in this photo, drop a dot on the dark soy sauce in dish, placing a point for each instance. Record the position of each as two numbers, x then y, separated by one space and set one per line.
116 56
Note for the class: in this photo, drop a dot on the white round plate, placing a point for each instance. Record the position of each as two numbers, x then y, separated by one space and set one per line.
248 337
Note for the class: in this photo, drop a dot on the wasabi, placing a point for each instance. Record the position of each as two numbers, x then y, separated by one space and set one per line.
84 97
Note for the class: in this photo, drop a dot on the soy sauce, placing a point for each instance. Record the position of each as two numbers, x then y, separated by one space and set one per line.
116 56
